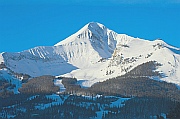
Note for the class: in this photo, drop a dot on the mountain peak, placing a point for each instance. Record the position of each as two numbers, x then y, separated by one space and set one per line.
95 25
89 31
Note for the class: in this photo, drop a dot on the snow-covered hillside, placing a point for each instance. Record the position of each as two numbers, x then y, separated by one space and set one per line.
96 53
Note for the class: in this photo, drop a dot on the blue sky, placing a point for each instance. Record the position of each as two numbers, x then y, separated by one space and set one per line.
25 24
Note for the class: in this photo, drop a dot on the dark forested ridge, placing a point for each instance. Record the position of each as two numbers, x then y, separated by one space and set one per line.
136 87
39 85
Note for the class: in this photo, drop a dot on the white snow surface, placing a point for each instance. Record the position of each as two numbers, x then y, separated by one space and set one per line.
94 54
1 58
58 82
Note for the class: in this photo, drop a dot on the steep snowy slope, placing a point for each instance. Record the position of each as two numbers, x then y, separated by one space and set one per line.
39 61
96 53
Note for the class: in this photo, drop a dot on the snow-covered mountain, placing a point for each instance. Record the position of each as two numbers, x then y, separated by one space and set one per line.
95 53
